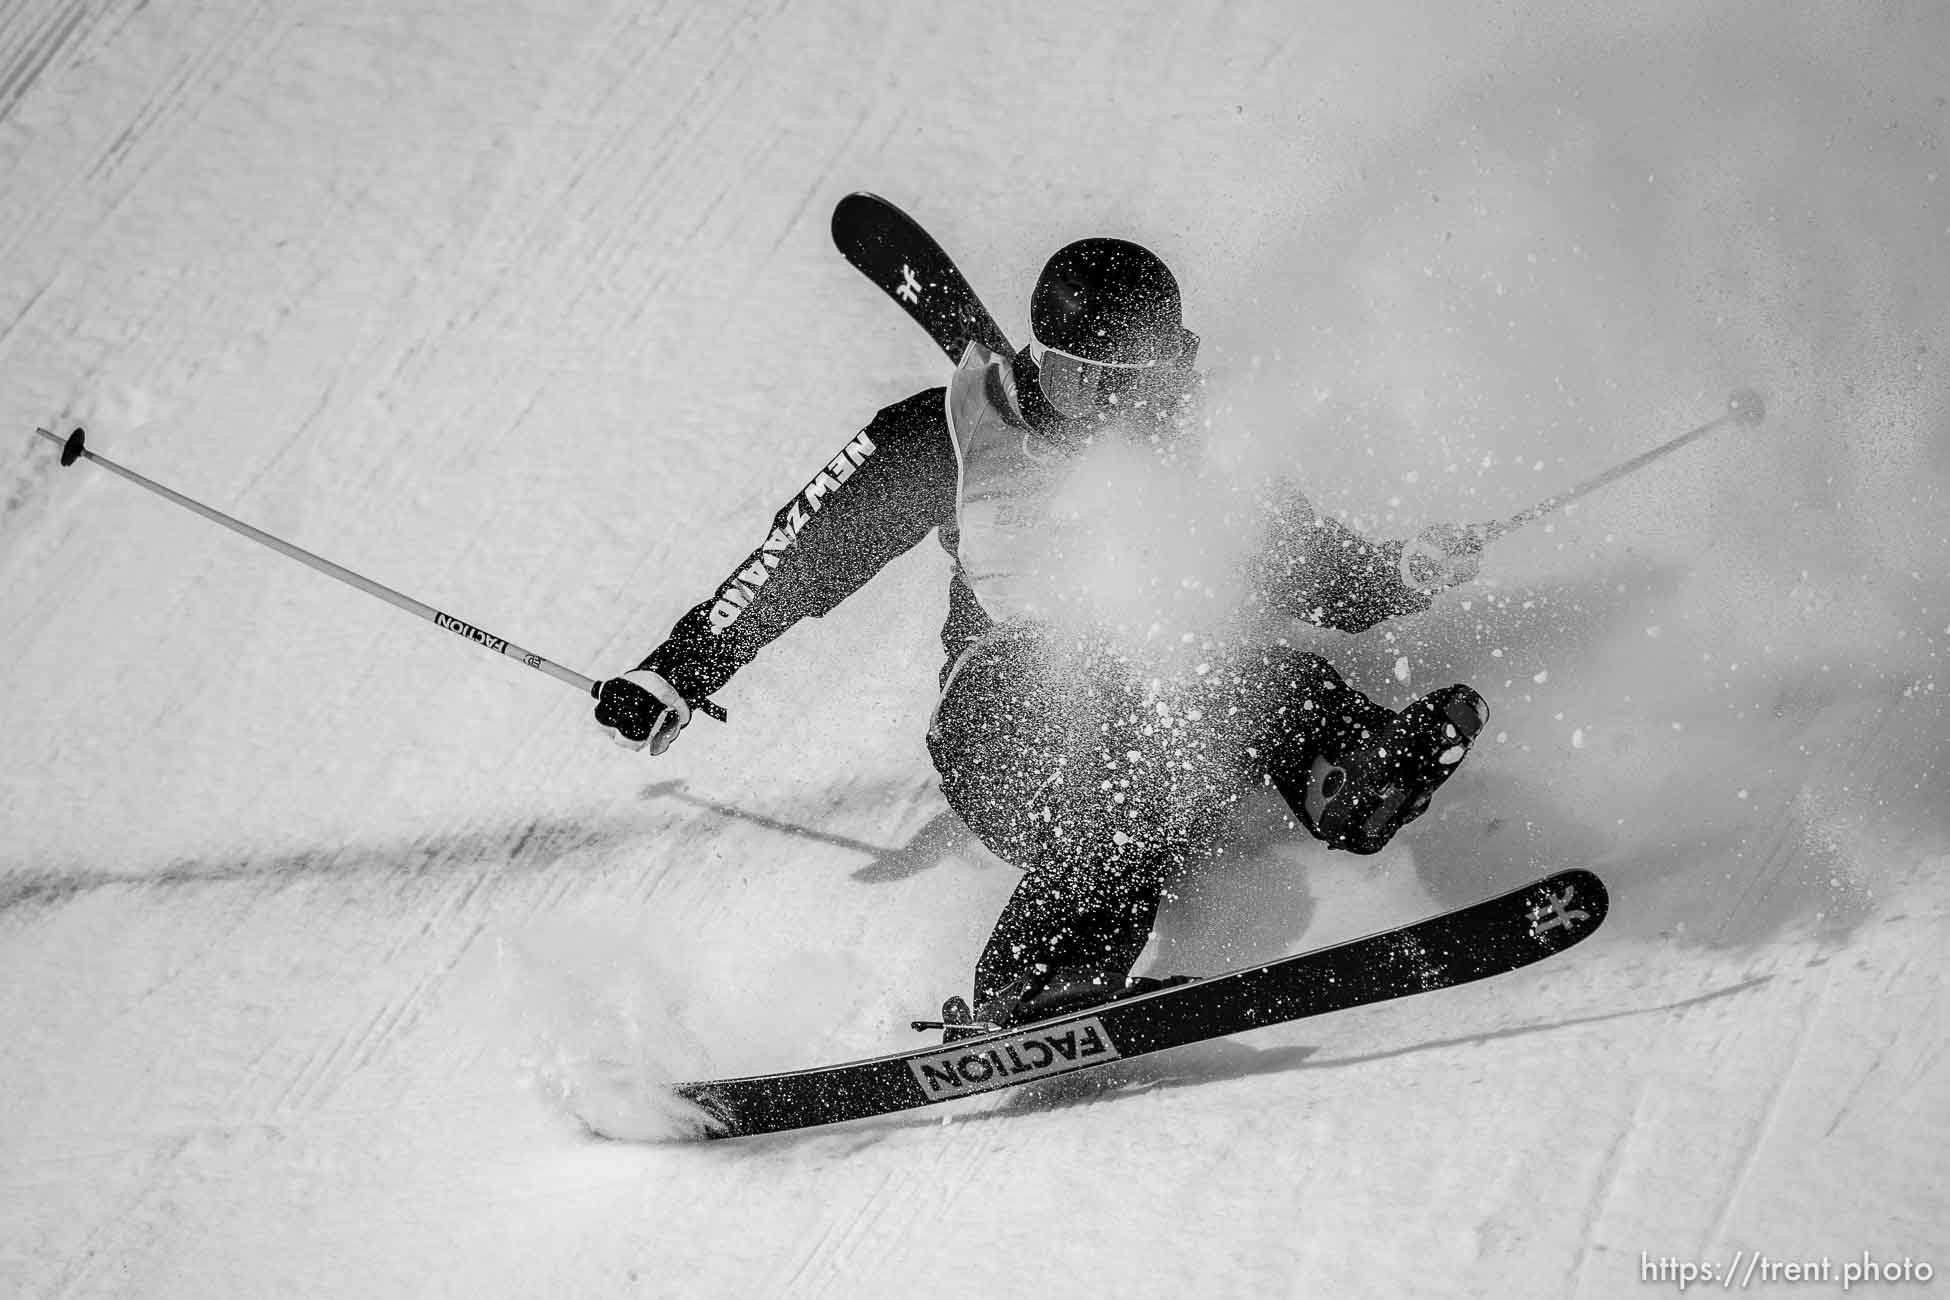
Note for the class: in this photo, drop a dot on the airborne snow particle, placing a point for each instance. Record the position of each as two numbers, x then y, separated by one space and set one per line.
1542 677
1652 631
1577 738
1401 669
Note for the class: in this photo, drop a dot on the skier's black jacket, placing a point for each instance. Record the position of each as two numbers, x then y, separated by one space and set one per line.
901 478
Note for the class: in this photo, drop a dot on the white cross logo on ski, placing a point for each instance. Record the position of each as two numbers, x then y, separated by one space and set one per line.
910 285
1556 911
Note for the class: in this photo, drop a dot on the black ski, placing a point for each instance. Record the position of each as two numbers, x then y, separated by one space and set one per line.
1470 943
890 248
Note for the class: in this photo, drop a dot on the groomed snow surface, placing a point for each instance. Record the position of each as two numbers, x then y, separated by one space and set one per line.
318 926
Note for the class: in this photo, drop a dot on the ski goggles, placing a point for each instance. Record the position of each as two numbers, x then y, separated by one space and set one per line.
1078 387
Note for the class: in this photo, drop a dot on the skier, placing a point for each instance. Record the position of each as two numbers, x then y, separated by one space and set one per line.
1069 756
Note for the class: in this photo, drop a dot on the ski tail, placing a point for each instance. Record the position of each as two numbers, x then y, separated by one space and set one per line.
891 249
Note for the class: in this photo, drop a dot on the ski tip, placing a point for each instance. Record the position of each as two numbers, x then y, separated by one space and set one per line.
857 200
851 212
74 448
1595 883
1567 907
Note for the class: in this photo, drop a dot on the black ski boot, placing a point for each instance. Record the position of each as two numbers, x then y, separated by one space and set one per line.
1357 801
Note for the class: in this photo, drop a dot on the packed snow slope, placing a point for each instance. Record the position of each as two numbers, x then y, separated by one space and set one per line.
313 918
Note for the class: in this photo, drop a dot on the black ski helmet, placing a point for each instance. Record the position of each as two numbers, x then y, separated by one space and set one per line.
1109 301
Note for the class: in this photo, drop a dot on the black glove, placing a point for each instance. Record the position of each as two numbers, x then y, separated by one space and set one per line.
640 708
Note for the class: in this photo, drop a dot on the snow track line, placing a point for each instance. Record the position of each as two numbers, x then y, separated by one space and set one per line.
827 1254
941 1162
1899 1076
120 1219
1603 1190
32 55
609 190
1762 1126
361 1048
1764 860
888 1219
101 187
326 1070
43 200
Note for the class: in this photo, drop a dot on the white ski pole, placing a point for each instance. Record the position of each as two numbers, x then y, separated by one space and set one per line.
1744 407
74 448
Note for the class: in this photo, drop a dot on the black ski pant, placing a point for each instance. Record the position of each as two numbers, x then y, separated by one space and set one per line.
1101 783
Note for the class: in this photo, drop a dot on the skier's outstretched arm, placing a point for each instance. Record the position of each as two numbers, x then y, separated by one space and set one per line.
887 488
